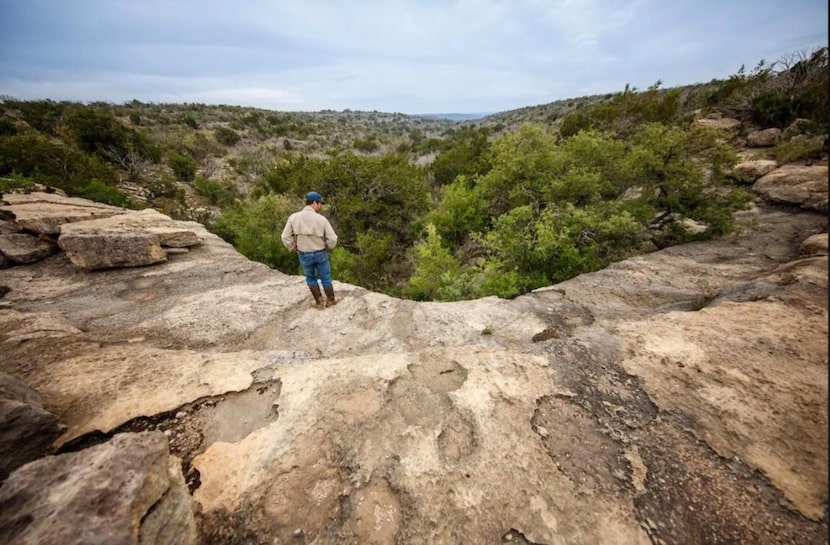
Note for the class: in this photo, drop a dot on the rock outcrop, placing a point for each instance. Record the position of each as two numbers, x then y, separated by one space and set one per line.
129 491
765 138
94 236
675 397
27 430
804 186
750 170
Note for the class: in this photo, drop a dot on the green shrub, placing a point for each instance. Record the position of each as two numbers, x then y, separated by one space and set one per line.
183 166
798 149
368 144
7 127
226 136
17 182
218 193
48 162
254 227
435 269
190 121
99 191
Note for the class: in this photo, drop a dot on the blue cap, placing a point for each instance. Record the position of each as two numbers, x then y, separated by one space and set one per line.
313 196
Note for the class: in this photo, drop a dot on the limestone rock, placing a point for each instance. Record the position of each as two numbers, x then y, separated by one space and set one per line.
174 234
24 248
749 171
685 389
126 491
126 240
805 186
723 123
111 248
44 213
765 138
8 227
815 245
26 429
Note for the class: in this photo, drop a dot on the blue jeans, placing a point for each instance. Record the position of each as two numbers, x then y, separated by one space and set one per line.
316 265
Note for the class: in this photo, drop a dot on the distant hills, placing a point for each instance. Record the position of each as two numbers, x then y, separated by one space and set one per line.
456 117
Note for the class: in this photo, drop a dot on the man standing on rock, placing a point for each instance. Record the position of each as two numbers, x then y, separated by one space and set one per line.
310 234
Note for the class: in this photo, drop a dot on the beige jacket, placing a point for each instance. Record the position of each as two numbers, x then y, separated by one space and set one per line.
308 231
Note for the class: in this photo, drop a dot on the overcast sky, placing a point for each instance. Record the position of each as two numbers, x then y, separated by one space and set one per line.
409 56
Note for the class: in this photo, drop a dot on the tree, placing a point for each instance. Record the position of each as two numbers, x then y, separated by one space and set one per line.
523 163
460 212
254 227
183 166
436 272
467 154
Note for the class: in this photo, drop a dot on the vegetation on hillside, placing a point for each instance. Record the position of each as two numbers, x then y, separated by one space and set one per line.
432 209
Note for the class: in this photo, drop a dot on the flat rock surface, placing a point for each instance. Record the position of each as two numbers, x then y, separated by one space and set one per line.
44 213
677 396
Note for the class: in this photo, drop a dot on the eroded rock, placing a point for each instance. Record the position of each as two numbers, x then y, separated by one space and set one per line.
44 213
616 407
805 186
24 248
815 245
27 430
749 171
94 236
123 492
133 239
765 138
112 248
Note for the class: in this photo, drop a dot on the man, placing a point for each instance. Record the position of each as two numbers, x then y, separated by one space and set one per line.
310 234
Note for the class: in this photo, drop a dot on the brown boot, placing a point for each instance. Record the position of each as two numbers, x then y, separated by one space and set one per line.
330 300
318 298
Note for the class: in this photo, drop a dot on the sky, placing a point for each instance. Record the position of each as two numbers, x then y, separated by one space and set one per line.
407 56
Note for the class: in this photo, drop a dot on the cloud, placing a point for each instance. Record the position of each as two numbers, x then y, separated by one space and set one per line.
394 55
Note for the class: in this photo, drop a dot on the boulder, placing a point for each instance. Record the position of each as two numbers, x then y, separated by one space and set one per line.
805 186
112 248
170 233
766 138
127 240
749 171
127 491
25 248
26 429
44 213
